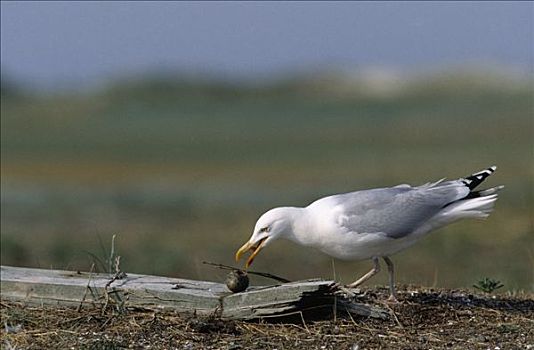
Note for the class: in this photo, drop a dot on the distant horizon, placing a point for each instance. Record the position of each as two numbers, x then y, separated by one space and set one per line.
492 74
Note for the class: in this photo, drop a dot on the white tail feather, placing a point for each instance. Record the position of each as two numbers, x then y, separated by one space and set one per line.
490 190
476 208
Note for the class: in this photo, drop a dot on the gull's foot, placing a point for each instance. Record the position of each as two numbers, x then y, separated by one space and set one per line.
353 288
351 292
392 300
336 286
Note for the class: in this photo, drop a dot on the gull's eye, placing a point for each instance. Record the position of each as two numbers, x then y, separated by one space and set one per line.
265 229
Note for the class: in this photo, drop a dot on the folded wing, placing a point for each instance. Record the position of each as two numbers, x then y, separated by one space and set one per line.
397 211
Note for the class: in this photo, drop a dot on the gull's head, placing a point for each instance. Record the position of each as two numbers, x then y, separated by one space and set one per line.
271 225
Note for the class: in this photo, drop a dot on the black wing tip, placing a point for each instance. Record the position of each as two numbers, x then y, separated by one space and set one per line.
489 170
476 179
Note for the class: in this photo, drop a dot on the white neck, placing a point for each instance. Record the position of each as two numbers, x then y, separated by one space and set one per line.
302 228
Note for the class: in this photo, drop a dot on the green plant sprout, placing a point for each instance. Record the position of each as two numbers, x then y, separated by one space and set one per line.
488 285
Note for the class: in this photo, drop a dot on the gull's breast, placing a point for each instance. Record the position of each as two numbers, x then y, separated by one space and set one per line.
361 246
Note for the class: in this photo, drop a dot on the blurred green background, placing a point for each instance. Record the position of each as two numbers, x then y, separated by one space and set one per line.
175 125
180 169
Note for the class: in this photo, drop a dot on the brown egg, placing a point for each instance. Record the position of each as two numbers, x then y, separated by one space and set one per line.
237 281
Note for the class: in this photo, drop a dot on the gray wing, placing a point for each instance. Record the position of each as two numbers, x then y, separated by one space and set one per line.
395 211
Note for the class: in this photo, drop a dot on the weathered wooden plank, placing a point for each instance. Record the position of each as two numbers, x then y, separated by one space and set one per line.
68 288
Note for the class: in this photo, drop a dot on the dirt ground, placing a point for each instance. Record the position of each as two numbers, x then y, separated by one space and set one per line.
424 319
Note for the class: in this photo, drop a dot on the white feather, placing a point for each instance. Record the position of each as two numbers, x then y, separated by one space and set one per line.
476 208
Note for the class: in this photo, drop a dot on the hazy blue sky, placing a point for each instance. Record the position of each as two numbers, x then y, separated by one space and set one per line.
49 44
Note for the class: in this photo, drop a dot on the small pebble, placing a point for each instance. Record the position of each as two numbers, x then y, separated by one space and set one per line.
237 281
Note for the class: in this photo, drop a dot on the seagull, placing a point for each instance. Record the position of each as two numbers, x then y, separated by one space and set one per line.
374 223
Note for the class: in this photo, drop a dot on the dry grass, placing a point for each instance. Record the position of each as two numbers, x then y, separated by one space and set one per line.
424 319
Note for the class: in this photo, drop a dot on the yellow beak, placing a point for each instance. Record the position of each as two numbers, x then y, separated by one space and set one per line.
250 246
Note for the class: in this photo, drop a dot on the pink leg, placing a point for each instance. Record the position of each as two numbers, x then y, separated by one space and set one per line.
391 271
368 275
